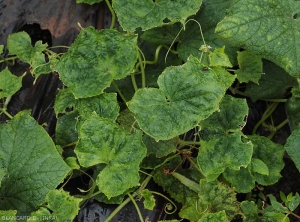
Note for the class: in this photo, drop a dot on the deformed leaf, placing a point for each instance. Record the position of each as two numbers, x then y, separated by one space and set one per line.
215 217
218 57
218 197
187 94
63 206
95 59
149 14
20 44
149 201
34 167
9 83
250 67
105 105
103 141
64 102
270 28
292 146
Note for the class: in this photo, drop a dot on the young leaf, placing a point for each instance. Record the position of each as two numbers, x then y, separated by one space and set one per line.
8 215
276 205
282 196
63 206
33 164
267 27
258 166
20 44
103 141
95 59
218 57
294 202
149 201
292 146
214 217
250 67
9 83
187 94
149 14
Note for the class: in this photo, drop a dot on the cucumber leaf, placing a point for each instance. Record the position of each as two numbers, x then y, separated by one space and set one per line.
33 165
187 94
214 217
269 28
148 14
221 139
292 146
88 72
102 141
9 83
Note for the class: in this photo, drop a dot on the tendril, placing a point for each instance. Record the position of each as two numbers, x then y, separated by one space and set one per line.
169 206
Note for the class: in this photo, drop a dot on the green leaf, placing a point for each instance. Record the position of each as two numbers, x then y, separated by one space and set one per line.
274 217
282 196
95 59
217 154
64 206
292 146
214 217
42 214
294 202
160 148
9 83
221 144
250 211
218 57
72 163
149 201
20 44
276 205
149 14
90 2
105 105
272 85
229 119
65 131
8 215
250 67
218 197
242 180
270 154
64 102
187 94
33 164
258 166
266 27
103 141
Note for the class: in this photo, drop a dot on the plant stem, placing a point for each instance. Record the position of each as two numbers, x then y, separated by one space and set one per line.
236 91
119 92
295 215
123 204
7 114
265 116
187 143
113 15
142 70
277 128
136 207
8 59
70 145
134 82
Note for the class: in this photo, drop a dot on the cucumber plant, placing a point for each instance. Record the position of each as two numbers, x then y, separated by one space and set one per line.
133 94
